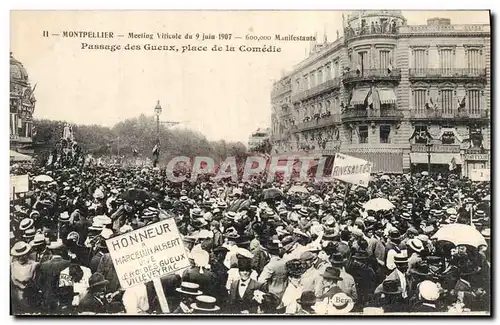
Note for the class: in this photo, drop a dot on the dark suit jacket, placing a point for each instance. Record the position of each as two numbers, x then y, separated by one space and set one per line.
49 278
247 302
90 304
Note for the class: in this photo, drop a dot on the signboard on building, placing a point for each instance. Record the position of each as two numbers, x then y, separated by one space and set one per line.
19 183
148 253
477 156
351 170
480 175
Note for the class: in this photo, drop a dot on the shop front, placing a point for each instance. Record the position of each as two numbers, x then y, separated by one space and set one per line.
474 160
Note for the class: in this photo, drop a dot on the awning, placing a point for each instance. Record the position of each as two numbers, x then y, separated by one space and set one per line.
387 96
391 163
16 156
359 96
436 158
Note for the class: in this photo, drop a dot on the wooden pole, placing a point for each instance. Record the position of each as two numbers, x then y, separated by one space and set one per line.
161 296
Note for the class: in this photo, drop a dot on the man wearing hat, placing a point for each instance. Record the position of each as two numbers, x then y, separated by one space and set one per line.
39 251
364 276
241 292
306 302
347 283
23 273
95 300
205 305
391 300
274 273
399 273
49 274
428 294
328 283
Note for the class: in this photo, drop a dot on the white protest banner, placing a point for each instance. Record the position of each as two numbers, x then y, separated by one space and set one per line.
148 253
351 170
19 183
480 175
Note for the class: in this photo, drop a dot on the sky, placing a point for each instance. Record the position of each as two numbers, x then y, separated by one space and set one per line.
224 95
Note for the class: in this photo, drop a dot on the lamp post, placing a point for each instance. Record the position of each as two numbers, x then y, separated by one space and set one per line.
429 146
158 110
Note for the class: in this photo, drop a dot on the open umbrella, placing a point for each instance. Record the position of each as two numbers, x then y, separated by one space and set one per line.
272 193
298 189
134 194
378 204
43 179
487 197
460 234
424 173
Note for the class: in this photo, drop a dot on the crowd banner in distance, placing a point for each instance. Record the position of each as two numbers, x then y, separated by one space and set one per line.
351 170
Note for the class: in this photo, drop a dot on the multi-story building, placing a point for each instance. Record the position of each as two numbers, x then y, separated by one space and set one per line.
22 106
393 94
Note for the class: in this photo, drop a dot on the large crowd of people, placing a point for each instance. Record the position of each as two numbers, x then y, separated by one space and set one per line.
254 247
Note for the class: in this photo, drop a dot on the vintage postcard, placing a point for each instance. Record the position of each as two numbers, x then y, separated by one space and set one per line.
250 162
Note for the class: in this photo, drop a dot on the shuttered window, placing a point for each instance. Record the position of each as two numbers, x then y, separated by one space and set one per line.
446 58
384 59
473 101
447 101
473 61
419 100
419 62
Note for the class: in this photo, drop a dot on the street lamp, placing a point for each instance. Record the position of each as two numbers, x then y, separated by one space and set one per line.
429 146
158 110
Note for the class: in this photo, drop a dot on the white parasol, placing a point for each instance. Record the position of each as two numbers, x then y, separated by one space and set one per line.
43 179
378 204
460 234
298 189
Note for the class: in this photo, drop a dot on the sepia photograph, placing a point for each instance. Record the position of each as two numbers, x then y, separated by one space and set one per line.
250 163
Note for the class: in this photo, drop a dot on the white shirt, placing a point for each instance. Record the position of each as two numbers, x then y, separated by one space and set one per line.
290 296
135 299
234 275
242 287
402 280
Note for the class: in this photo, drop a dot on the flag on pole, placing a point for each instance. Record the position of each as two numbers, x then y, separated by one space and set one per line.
368 103
156 150
453 164
461 103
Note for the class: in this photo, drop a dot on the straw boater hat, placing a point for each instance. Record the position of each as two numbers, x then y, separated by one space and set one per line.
26 224
20 249
428 290
406 216
64 217
416 244
304 212
189 288
29 234
479 214
38 240
205 303
342 303
196 212
401 258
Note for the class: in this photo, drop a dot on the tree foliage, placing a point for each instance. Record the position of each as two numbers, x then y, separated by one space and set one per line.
138 133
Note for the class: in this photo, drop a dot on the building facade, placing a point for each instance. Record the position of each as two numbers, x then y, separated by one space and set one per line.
22 106
393 94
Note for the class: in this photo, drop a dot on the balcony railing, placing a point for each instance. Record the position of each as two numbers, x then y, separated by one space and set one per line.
419 147
382 31
316 90
385 114
441 73
318 123
371 74
455 114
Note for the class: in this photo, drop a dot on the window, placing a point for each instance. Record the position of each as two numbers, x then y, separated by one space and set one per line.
297 83
473 61
448 138
446 59
363 133
419 99
474 101
420 135
312 81
328 72
336 70
447 101
320 77
362 61
419 61
13 124
384 59
476 137
385 131
306 83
